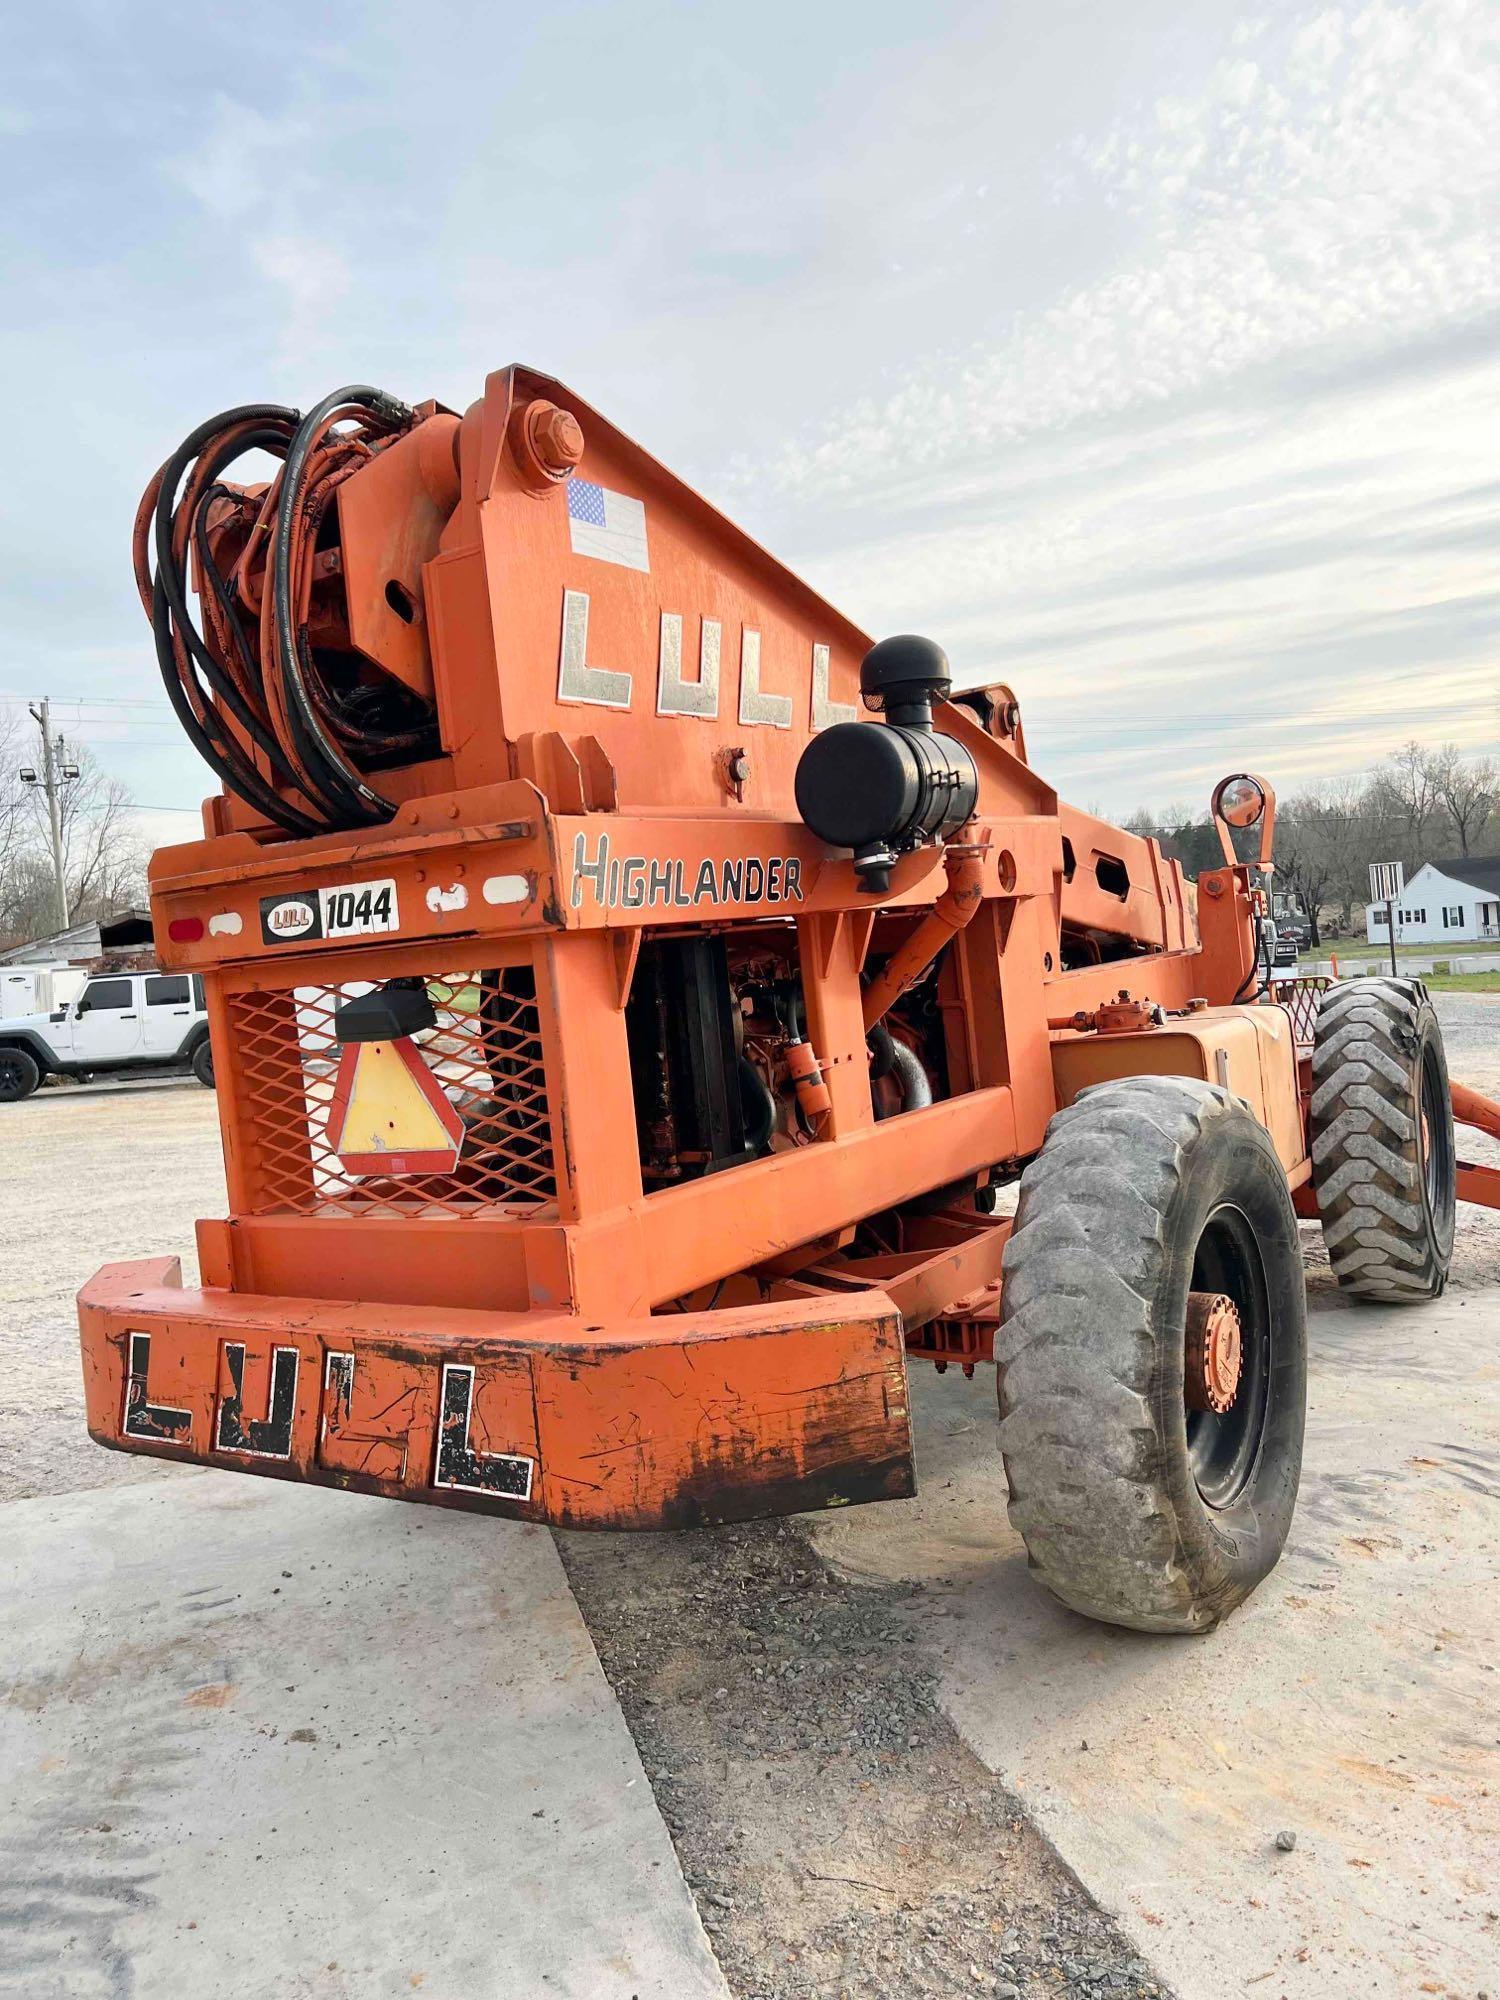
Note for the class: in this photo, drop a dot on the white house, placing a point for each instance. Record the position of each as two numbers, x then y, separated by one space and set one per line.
1445 902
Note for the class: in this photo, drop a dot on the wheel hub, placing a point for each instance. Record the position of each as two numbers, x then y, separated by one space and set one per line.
1211 1376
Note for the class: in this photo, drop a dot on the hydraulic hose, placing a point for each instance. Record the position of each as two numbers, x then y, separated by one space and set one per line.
253 696
339 779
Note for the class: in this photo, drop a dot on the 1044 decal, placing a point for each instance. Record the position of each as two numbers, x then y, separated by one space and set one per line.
348 909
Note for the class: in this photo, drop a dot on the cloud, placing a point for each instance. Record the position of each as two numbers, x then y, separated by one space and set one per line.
312 276
1150 366
1338 194
1233 486
235 161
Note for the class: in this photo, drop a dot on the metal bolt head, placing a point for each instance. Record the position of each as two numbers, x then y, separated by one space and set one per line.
556 438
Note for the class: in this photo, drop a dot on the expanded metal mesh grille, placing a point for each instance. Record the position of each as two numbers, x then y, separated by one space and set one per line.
485 1052
1300 998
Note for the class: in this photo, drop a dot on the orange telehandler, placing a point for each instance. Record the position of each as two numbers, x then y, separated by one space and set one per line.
629 989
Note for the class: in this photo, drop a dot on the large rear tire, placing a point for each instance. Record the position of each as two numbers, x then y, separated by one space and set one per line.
1134 1508
203 1063
1385 1167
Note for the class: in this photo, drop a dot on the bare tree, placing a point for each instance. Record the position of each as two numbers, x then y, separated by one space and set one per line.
1325 838
1186 836
102 855
1304 855
1465 789
1404 802
15 816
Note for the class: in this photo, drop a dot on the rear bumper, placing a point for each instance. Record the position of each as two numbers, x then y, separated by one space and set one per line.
676 1421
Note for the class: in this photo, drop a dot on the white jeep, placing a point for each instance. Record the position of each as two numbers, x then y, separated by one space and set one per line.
122 1022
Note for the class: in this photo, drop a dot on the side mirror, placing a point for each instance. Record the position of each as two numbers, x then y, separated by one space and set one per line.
1243 800
83 1008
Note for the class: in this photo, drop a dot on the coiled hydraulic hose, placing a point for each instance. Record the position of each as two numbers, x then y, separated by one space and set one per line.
247 686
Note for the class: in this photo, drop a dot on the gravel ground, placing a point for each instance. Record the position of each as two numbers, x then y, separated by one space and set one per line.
841 1840
838 1835
93 1173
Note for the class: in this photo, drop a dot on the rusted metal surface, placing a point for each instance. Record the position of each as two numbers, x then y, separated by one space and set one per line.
1125 1015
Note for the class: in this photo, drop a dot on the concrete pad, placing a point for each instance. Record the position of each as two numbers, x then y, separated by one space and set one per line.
260 1740
1355 1701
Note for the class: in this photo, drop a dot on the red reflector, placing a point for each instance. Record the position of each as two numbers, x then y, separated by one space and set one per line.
185 930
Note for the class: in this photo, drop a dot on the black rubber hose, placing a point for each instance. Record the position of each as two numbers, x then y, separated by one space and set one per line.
1254 973
176 583
219 755
223 683
916 1085
169 608
326 765
754 1090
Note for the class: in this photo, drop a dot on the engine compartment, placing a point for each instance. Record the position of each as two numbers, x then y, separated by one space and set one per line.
722 1071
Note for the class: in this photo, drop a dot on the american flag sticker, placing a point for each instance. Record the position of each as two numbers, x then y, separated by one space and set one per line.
611 527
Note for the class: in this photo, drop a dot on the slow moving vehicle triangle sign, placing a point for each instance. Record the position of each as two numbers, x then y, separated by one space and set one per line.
389 1114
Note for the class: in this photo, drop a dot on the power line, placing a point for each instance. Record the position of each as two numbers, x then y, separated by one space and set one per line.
89 701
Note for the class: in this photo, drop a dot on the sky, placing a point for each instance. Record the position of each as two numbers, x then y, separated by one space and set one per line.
1145 355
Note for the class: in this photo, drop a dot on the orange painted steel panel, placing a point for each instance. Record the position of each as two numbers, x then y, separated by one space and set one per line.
1249 1051
1470 1107
391 518
655 1423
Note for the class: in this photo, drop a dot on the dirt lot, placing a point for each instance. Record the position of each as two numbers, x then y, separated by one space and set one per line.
792 1704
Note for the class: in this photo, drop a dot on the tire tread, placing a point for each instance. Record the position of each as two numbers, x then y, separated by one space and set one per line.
1380 1240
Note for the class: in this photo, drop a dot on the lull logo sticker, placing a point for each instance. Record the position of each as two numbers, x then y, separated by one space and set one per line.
287 919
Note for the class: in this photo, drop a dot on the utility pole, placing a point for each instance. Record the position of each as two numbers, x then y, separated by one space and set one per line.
55 773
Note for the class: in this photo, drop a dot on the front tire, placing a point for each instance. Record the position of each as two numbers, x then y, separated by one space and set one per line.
1151 1195
1385 1166
20 1073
